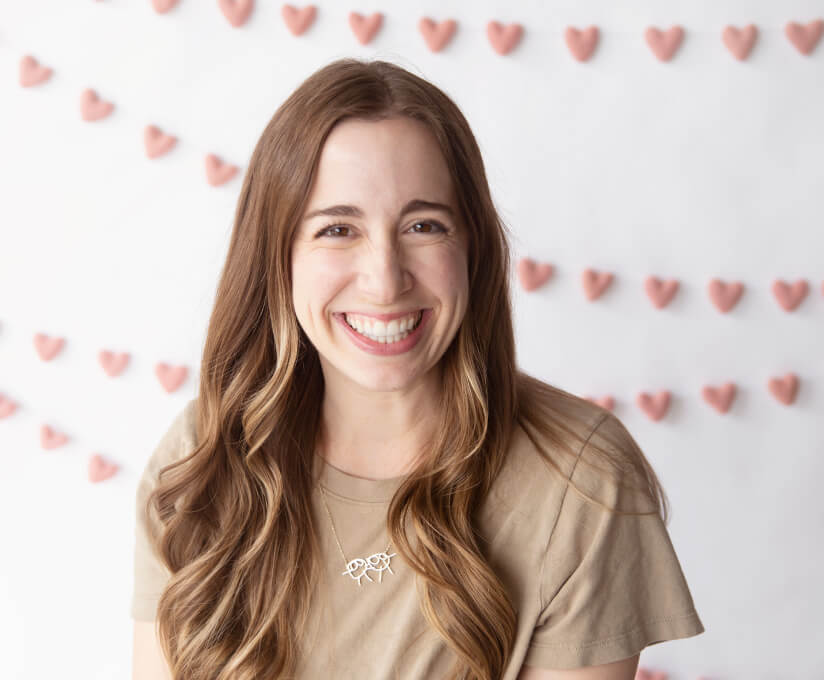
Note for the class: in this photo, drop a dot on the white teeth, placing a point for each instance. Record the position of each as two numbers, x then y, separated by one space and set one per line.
377 328
382 332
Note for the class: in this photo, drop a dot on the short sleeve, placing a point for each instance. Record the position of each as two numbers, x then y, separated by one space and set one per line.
611 584
150 574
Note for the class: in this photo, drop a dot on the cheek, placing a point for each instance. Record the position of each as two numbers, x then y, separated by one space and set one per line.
444 270
316 277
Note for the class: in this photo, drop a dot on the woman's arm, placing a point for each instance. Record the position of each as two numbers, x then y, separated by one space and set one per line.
625 669
148 662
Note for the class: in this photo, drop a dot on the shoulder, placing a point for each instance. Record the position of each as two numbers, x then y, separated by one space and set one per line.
546 440
177 440
549 434
561 440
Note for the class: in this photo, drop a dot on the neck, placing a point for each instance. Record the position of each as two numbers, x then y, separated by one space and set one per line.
374 434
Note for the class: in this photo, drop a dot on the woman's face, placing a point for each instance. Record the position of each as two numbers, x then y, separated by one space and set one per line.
390 246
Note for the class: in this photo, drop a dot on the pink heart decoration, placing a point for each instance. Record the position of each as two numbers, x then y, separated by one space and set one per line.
437 35
532 274
170 377
32 73
595 283
47 347
784 388
644 674
363 27
92 107
654 406
218 172
297 21
805 38
503 38
720 398
51 439
581 43
739 42
664 44
607 401
163 6
156 142
7 406
725 295
113 363
789 297
660 292
236 11
100 469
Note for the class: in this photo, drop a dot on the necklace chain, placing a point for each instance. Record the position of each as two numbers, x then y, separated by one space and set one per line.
358 567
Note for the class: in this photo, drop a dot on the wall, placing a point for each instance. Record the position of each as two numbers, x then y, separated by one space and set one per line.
700 167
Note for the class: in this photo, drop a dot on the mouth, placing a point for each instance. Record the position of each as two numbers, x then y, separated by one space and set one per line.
379 337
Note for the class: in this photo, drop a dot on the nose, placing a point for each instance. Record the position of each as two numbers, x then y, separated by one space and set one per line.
383 274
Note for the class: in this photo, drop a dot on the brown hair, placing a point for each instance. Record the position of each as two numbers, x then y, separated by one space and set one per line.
237 526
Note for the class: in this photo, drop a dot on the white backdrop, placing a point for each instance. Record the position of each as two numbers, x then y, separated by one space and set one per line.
703 166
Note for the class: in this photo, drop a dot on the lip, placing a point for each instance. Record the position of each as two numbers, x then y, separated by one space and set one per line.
384 349
383 317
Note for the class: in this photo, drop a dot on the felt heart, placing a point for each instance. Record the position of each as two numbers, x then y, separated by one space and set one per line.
789 297
664 44
156 142
739 42
163 6
784 388
503 38
720 398
51 439
47 347
805 38
437 35
92 107
725 295
298 20
606 401
218 172
170 377
595 283
32 73
532 274
644 674
581 43
654 406
236 11
7 406
113 363
363 27
660 292
100 469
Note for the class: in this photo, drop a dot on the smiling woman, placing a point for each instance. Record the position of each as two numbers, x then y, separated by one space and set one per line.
366 485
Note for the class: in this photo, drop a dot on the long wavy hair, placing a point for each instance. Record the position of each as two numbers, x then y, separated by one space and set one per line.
237 528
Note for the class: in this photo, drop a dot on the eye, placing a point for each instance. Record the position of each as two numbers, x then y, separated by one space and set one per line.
431 223
328 229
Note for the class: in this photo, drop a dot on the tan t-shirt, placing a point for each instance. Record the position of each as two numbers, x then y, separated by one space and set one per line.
589 587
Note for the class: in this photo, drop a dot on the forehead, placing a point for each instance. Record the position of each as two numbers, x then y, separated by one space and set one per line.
386 161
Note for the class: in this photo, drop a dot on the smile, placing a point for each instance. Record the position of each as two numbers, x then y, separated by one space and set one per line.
385 338
383 331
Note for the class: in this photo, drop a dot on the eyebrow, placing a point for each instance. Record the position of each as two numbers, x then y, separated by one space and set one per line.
355 211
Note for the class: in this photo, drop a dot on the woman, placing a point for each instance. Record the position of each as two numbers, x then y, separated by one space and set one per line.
366 486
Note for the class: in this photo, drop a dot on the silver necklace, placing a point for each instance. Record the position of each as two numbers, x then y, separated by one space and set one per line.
358 567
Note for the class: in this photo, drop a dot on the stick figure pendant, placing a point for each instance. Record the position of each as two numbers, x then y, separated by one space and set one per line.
379 562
